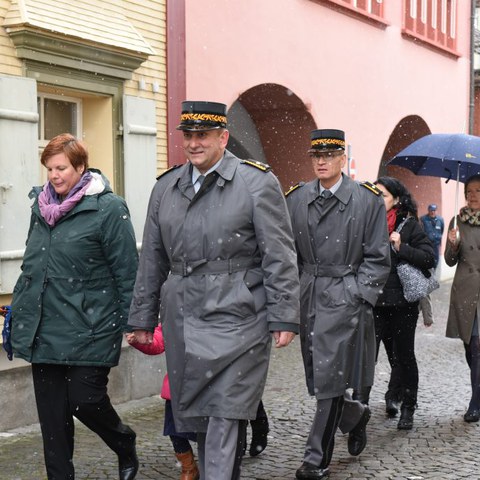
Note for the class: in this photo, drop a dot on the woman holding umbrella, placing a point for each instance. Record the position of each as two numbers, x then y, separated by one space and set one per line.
463 243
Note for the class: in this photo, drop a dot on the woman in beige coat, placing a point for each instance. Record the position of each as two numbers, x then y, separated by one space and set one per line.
463 244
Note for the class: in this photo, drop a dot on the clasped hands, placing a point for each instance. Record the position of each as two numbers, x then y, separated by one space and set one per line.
144 337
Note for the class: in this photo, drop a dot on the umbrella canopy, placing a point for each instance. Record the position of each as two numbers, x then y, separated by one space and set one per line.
455 155
443 155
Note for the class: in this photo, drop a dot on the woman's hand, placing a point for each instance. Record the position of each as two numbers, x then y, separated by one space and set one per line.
453 237
395 240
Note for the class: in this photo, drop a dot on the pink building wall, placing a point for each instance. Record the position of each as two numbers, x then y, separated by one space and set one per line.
347 72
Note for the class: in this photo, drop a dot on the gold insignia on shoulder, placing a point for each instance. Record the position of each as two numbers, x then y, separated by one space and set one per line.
261 166
291 189
372 187
169 170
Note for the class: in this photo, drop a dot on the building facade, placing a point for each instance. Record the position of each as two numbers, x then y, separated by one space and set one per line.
386 72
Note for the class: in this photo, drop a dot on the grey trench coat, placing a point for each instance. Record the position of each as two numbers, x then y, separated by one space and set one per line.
221 267
465 291
342 271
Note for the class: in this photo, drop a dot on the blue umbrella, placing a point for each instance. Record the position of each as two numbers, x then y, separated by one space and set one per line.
443 155
455 155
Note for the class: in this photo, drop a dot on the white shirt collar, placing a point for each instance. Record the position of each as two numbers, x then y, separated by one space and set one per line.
196 173
333 188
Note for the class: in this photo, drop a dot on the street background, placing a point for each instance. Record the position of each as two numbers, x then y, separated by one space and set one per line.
441 445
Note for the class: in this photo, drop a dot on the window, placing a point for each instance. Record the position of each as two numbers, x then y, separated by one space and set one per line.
371 9
433 22
58 114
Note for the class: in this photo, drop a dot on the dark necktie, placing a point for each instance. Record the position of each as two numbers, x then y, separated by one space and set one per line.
326 194
319 206
206 182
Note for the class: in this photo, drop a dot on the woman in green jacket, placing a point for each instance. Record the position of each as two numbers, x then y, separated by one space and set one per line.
70 304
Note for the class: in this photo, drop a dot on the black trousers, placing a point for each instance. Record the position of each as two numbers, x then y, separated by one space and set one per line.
396 327
62 392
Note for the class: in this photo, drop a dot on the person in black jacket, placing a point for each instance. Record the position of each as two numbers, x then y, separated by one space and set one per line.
395 318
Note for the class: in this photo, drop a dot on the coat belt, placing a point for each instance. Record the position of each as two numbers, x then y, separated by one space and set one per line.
201 267
332 271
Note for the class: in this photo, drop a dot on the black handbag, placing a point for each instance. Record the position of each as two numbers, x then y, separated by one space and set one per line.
415 284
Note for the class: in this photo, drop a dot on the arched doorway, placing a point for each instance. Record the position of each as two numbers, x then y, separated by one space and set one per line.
270 123
425 190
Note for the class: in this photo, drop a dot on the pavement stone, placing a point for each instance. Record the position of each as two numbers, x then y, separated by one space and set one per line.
441 446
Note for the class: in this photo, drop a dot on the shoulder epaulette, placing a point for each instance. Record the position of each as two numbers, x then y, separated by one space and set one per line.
291 189
372 187
255 163
169 170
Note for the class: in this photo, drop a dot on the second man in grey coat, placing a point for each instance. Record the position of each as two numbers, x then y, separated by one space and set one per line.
343 252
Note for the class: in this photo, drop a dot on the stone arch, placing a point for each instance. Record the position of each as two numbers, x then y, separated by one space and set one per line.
425 190
270 123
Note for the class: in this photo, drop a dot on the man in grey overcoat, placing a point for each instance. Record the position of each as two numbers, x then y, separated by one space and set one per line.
342 244
218 264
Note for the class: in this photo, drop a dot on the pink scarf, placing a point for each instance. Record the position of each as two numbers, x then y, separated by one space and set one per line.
52 208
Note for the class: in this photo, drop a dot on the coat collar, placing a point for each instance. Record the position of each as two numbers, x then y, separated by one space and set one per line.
344 192
226 171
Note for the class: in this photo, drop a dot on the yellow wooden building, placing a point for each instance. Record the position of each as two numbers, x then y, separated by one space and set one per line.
96 69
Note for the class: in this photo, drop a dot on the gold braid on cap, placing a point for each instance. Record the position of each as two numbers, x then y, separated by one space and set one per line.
328 141
206 117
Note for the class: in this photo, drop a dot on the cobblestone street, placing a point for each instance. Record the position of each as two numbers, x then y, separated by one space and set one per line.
441 445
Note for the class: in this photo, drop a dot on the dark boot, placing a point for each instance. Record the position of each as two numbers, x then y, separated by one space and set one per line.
260 431
406 418
391 407
408 409
392 403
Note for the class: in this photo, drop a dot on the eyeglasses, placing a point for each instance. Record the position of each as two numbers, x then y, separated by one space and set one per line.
327 156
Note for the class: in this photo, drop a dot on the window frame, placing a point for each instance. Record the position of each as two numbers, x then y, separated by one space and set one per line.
42 142
432 23
359 9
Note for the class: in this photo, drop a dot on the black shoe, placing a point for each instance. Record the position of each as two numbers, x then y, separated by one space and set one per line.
128 466
391 407
406 418
259 441
310 472
472 415
357 438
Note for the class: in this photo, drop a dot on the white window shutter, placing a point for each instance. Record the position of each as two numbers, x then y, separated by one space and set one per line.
140 157
20 170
